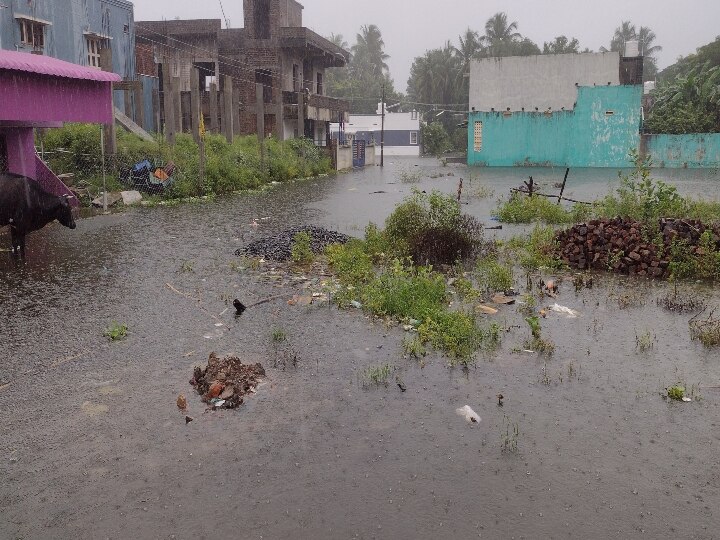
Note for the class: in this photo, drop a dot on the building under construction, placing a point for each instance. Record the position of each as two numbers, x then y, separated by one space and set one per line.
266 77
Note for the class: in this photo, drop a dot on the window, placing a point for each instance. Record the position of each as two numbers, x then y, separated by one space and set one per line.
32 33
320 84
477 146
94 46
413 137
414 115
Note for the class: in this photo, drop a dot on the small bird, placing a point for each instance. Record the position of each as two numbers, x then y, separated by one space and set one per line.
500 400
239 307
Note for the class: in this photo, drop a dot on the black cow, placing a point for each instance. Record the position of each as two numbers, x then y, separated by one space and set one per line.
26 207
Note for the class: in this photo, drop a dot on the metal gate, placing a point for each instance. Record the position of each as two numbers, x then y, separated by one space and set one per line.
358 154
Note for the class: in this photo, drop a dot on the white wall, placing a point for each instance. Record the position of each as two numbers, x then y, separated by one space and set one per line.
544 81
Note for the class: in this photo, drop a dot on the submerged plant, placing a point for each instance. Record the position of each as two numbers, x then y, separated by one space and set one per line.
509 435
116 331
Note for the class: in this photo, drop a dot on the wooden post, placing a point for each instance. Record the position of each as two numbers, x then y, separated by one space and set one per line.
530 187
177 104
562 189
213 109
279 120
195 103
109 140
139 105
260 116
168 108
228 115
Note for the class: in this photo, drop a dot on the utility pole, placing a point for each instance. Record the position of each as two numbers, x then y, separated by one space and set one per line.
382 130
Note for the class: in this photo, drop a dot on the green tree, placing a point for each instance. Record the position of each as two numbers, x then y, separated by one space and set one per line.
500 36
645 38
561 45
362 81
688 104
369 51
435 139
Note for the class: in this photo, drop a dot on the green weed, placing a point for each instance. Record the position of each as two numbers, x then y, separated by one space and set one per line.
413 347
493 275
278 335
377 375
644 341
509 435
301 251
116 331
521 208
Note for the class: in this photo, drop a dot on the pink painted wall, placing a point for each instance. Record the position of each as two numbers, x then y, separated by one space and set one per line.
20 150
29 97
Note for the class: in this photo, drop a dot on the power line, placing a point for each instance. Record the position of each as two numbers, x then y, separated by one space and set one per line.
227 21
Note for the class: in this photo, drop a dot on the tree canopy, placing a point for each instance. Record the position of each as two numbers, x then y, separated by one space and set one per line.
361 82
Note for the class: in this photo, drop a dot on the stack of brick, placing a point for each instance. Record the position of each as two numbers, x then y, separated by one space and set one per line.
625 246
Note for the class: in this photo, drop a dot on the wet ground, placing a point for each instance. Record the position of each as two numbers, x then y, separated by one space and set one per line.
92 444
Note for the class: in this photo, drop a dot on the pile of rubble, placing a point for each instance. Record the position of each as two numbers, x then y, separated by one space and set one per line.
623 246
278 247
225 382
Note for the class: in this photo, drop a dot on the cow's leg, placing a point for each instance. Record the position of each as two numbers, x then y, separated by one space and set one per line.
17 241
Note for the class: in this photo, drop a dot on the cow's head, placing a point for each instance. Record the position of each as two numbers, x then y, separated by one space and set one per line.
64 213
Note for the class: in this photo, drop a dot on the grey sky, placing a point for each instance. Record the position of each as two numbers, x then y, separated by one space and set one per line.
410 28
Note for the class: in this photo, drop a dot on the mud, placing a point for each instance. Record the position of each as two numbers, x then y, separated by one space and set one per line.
225 382
313 454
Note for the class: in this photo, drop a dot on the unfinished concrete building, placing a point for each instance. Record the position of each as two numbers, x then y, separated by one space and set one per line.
273 50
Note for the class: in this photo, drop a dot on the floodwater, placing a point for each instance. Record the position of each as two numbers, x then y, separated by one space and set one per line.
92 444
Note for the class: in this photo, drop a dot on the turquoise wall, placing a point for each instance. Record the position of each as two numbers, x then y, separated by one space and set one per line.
585 137
693 150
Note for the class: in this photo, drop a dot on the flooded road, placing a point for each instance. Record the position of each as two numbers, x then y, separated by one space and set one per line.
92 444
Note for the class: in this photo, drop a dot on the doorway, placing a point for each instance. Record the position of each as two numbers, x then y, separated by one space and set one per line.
3 155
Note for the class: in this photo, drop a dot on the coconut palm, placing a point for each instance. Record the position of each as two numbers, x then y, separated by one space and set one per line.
500 35
623 33
369 51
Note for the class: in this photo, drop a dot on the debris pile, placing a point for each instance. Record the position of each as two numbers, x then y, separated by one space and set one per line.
224 382
278 247
623 245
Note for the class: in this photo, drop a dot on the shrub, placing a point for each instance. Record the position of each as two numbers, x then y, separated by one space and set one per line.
431 229
301 251
494 276
537 250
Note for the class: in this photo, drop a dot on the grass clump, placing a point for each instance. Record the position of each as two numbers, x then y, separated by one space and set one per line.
509 435
116 331
301 251
520 208
278 335
492 275
706 331
412 346
377 375
644 341
537 250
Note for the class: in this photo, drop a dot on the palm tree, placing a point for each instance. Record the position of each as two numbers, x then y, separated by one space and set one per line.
623 33
339 40
369 51
561 45
499 35
647 37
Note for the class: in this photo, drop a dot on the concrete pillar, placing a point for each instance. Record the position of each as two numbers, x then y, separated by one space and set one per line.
301 114
177 103
228 115
260 116
139 105
168 108
213 109
195 103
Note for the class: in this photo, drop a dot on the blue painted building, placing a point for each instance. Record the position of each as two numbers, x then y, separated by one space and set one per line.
603 126
570 110
72 30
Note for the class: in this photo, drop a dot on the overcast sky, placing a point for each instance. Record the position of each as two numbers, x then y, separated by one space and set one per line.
411 28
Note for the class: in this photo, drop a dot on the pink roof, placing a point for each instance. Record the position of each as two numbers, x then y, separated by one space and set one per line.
47 65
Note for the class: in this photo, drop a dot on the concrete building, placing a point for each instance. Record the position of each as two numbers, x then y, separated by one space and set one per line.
72 30
575 110
273 50
402 131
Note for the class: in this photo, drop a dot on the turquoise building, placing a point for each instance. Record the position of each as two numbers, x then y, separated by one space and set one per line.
599 132
570 110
